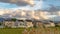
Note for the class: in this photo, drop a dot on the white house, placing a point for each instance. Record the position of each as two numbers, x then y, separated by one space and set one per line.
29 23
49 24
18 23
24 23
9 23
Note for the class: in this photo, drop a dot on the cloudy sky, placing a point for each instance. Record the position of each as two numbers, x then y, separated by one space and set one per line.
52 6
38 4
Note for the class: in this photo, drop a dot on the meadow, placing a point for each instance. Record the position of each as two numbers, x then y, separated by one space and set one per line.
11 30
51 30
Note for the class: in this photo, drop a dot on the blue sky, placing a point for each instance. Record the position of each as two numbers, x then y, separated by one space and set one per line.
42 4
38 4
7 5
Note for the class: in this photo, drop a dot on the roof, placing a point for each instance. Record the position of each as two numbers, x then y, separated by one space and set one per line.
28 20
37 21
21 20
50 21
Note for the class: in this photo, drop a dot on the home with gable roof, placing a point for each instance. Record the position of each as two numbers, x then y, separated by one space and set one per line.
18 23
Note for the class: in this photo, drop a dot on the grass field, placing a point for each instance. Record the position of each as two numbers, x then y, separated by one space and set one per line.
53 30
11 30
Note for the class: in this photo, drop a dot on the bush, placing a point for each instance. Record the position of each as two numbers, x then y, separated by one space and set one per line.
0 23
14 19
34 26
57 26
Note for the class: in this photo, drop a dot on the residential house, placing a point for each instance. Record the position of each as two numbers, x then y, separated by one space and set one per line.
9 23
20 23
29 23
49 24
57 24
37 23
52 23
24 23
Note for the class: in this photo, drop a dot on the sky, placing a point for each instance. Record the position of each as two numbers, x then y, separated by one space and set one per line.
50 5
7 5
38 4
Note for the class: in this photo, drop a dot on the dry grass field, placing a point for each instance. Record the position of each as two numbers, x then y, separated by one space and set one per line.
52 30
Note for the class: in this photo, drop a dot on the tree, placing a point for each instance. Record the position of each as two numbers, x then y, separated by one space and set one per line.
0 23
14 19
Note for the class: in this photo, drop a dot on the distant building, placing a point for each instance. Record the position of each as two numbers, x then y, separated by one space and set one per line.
49 24
18 23
37 23
52 23
9 23
29 23
57 24
21 23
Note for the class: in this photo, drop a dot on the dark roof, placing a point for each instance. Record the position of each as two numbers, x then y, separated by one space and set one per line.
46 23
50 21
20 20
28 20
8 19
37 21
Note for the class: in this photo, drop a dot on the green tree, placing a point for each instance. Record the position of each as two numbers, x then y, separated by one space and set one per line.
14 19
0 23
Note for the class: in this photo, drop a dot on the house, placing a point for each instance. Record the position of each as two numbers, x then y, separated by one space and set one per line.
52 23
14 24
29 23
9 23
24 23
18 23
37 23
57 24
49 24
46 24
